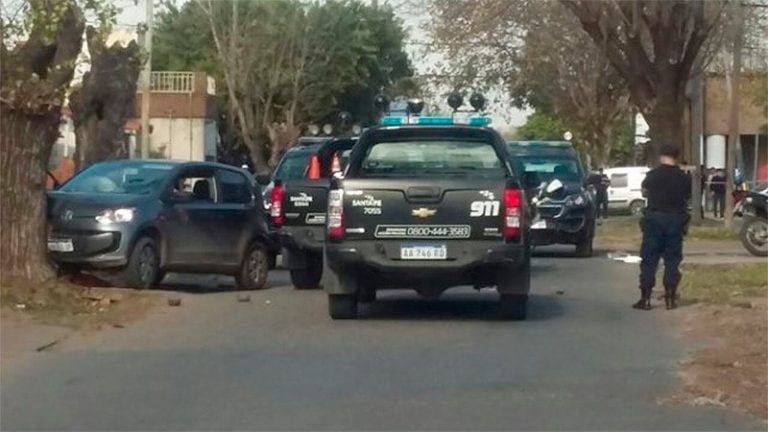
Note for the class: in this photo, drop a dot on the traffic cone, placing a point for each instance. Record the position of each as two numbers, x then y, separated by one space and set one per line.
314 168
336 164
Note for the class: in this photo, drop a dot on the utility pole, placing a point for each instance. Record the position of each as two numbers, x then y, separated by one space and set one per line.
733 120
697 132
145 81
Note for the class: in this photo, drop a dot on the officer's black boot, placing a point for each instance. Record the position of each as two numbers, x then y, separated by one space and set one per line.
645 300
670 298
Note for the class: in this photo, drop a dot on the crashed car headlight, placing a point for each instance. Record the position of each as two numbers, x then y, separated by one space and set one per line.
116 216
575 200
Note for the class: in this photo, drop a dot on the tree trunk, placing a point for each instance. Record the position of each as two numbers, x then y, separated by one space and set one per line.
26 144
101 105
665 126
36 74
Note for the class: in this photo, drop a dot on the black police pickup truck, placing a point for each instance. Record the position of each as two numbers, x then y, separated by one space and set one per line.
298 204
565 214
428 207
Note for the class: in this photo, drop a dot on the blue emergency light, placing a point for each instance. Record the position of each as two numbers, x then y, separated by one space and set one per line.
433 121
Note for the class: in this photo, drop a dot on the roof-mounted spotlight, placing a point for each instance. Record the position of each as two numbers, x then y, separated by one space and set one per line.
345 118
381 102
477 101
357 129
455 101
415 106
327 128
313 129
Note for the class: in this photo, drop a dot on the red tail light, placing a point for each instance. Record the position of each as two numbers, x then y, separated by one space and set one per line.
276 211
513 213
336 214
313 173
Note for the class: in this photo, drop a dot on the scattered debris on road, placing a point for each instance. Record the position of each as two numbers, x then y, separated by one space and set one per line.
174 302
47 346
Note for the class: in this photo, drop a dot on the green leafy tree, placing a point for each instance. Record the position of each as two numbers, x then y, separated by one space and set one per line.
541 126
284 64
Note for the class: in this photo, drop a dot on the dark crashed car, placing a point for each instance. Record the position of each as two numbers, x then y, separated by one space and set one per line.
142 219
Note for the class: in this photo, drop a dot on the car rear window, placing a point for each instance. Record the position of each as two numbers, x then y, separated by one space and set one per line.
293 166
420 158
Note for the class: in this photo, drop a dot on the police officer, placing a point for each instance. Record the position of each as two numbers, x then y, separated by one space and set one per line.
664 223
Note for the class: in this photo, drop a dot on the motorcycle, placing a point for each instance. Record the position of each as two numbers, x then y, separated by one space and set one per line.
754 231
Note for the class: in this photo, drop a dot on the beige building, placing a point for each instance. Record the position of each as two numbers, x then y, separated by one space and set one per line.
182 123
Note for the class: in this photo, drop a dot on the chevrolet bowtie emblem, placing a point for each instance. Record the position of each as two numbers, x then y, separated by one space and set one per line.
423 212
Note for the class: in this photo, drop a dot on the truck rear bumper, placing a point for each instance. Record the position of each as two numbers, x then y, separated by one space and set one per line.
469 262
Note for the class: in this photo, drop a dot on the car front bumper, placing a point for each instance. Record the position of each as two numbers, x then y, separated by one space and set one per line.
97 249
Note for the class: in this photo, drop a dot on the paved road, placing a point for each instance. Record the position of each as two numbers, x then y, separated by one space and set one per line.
584 360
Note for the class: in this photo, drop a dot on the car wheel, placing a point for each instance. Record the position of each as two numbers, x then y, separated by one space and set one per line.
254 268
636 207
143 265
308 277
513 306
342 306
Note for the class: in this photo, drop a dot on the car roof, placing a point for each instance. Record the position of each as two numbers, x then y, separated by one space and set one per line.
628 168
536 143
175 162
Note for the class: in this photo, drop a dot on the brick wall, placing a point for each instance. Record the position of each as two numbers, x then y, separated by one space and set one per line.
752 117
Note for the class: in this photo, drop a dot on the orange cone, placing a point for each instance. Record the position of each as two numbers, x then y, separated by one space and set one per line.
314 168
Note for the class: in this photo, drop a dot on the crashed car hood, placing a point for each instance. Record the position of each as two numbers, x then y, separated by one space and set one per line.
90 204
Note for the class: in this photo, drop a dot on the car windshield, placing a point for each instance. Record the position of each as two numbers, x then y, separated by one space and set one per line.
431 158
293 166
123 178
549 168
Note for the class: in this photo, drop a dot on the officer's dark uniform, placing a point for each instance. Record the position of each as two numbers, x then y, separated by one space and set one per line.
668 189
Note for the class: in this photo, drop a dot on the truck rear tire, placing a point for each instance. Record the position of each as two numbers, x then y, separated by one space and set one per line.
342 306
309 276
513 306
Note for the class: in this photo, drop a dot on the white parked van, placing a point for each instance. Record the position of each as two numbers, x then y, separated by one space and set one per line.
625 192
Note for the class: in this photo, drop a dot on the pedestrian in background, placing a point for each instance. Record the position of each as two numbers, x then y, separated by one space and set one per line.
717 186
664 223
601 183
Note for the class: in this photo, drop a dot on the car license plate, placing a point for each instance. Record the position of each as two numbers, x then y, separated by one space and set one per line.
539 224
60 245
423 252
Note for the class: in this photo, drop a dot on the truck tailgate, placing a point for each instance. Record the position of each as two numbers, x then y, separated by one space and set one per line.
459 209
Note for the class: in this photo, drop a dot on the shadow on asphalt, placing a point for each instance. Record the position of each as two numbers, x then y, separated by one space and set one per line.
540 308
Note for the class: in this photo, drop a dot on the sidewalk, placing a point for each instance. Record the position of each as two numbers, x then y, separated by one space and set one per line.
707 252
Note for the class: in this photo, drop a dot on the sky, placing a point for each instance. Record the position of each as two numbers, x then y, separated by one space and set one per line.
504 116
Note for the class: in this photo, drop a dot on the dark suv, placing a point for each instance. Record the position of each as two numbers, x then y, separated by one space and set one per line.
145 218
567 215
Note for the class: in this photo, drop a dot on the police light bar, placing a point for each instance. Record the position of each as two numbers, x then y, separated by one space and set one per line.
434 120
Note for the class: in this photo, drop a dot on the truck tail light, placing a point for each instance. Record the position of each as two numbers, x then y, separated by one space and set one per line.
313 172
336 214
276 211
513 213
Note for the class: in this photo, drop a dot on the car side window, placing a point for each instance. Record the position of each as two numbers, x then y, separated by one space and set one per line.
235 188
195 185
619 180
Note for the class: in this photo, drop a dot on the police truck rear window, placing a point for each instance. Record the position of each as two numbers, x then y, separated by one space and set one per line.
431 158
